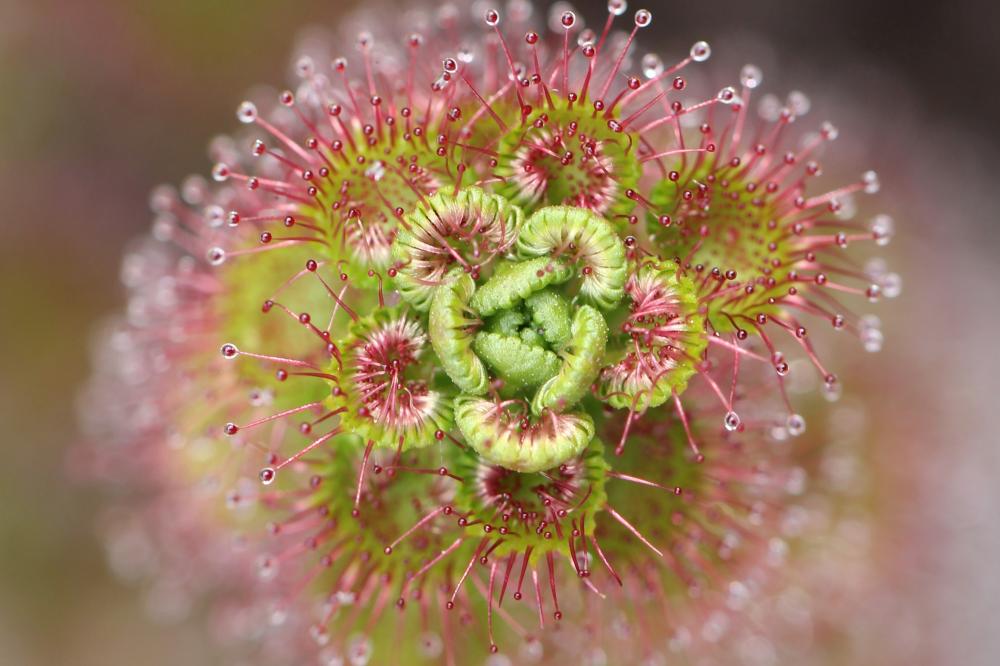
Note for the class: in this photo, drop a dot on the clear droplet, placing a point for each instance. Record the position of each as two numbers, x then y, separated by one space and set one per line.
652 65
701 51
215 216
882 227
220 173
796 425
643 18
216 256
869 321
727 95
891 284
267 475
751 76
872 339
617 7
246 112
832 392
872 184
532 650
163 227
305 67
267 567
798 102
731 421
769 108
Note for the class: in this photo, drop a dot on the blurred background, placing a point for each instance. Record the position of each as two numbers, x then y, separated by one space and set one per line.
102 99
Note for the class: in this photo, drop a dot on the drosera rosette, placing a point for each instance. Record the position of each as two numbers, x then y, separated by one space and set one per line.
491 302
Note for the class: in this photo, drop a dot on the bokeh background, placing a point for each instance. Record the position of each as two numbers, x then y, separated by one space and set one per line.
102 99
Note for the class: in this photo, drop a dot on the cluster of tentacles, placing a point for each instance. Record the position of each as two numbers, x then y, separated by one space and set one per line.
504 319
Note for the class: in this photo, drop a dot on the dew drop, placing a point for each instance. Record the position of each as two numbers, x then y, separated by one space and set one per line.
732 421
882 228
267 476
872 339
795 424
532 650
701 51
643 18
832 392
216 256
727 95
769 108
652 65
617 7
798 102
870 179
220 173
891 284
247 112
305 67
492 17
267 568
568 20
751 76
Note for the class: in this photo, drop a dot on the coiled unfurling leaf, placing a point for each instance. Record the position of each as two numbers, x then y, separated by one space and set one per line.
469 228
521 365
452 334
517 442
550 313
516 282
581 363
586 239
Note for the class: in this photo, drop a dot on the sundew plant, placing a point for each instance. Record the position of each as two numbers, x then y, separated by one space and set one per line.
475 349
